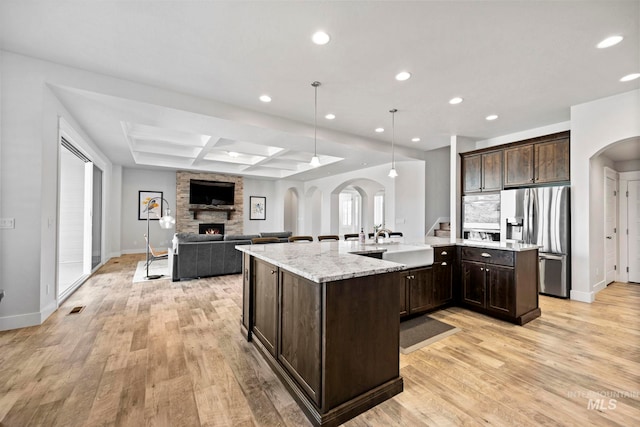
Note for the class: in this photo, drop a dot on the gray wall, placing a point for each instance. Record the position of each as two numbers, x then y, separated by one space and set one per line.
132 229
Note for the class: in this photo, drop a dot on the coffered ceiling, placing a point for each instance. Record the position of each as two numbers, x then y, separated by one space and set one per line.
526 61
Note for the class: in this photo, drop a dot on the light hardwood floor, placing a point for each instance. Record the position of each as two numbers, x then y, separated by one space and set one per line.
171 354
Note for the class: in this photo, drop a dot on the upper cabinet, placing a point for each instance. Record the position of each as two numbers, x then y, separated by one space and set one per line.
535 161
552 161
482 172
518 165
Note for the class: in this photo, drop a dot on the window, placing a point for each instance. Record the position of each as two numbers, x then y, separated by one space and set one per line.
378 208
350 210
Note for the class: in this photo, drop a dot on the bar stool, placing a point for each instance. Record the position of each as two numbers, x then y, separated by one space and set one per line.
353 236
300 239
328 237
263 240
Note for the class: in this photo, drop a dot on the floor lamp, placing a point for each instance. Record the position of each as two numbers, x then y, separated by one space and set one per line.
166 222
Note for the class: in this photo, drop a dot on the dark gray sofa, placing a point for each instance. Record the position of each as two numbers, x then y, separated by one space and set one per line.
203 255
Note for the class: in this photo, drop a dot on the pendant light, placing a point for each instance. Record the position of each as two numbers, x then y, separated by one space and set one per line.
392 172
315 161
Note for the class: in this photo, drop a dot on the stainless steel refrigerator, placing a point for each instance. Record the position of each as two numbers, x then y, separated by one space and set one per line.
541 216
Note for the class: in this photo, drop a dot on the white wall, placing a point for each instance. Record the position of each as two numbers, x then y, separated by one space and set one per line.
29 142
404 197
594 126
132 229
627 165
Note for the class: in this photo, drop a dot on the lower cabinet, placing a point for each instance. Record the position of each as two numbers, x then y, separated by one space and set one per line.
502 284
427 288
265 303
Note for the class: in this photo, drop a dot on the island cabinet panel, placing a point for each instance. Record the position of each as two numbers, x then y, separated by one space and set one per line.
247 309
299 348
265 303
518 165
362 339
552 161
500 283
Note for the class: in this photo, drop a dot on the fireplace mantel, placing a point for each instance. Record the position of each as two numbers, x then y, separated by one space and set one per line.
227 209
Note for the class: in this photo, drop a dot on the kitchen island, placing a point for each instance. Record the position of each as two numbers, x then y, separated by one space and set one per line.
327 318
326 321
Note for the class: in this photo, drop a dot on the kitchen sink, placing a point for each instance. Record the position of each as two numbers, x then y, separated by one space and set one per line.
411 256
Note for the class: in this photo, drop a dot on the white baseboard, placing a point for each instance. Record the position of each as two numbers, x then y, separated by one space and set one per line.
20 321
598 287
587 297
48 311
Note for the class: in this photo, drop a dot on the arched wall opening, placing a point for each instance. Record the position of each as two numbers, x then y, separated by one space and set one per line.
368 189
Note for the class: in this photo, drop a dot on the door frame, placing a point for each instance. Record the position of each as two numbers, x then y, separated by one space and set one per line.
613 175
623 238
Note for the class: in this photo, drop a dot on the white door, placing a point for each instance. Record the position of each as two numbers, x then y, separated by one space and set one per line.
634 231
610 228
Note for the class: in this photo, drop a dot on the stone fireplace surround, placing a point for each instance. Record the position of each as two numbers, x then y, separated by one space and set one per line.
185 223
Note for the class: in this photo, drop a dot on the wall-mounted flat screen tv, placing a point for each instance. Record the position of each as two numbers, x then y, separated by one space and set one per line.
211 192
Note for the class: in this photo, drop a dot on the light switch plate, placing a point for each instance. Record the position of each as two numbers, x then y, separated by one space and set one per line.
7 223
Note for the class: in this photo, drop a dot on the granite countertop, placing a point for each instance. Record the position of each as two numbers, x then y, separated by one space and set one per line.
487 244
323 261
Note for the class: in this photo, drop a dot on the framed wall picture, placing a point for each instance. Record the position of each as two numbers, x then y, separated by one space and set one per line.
257 207
151 200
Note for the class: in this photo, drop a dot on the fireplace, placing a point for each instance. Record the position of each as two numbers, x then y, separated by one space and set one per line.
211 228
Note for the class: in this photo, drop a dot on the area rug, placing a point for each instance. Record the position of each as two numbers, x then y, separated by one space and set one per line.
422 331
160 266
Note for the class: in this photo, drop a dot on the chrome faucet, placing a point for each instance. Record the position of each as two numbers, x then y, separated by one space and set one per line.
382 230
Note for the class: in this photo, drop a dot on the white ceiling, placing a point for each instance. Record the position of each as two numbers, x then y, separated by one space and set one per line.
527 61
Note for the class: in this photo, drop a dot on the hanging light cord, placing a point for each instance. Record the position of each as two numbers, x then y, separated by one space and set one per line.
315 119
393 137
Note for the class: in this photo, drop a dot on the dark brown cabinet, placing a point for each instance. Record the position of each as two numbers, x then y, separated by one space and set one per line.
552 161
427 288
419 284
500 283
265 304
537 163
315 336
482 172
518 165
444 260
299 346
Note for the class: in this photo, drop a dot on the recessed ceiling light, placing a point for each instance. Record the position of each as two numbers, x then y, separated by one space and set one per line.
320 38
456 100
379 130
492 117
609 41
630 77
330 116
265 98
233 154
403 75
416 139
364 163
